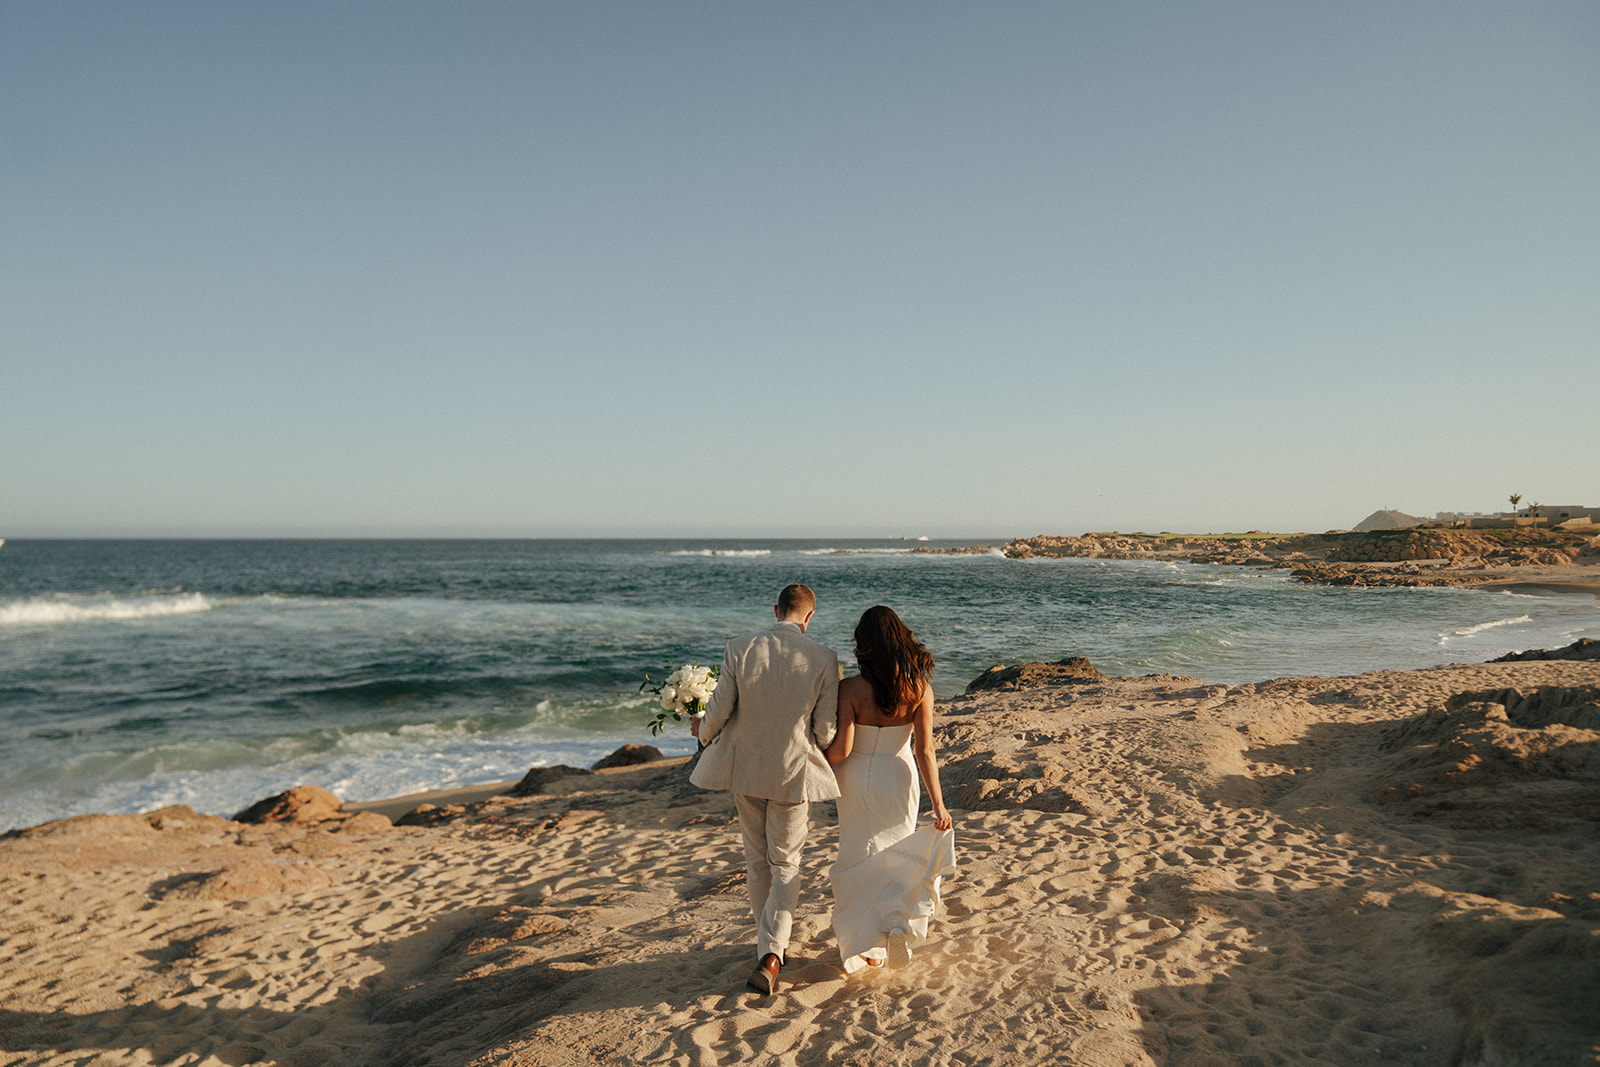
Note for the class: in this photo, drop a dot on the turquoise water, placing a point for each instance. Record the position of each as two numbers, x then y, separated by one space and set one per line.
140 673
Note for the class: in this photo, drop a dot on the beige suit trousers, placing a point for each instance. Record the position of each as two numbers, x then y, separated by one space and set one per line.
774 836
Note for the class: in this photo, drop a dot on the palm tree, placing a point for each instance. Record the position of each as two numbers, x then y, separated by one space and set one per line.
1516 498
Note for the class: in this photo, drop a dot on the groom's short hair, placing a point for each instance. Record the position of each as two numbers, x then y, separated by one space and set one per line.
796 599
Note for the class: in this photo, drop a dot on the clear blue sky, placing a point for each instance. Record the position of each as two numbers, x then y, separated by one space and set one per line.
811 268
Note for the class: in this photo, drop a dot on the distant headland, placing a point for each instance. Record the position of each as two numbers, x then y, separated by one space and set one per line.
1557 553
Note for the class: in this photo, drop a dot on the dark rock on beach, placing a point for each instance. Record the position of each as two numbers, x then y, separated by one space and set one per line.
434 814
1583 648
535 780
629 756
1075 670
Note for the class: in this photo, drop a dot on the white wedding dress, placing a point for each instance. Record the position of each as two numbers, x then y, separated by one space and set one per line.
888 874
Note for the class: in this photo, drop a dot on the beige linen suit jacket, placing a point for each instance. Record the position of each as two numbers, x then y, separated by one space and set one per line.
775 708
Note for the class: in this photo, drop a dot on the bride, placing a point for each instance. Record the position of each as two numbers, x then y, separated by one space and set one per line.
886 883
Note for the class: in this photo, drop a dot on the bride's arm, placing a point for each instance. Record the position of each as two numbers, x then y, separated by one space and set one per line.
845 738
927 761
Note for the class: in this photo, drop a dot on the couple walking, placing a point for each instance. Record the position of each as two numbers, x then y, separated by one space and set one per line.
782 730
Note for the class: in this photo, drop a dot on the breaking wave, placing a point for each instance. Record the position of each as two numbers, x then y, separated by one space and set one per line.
1469 631
736 552
39 611
855 551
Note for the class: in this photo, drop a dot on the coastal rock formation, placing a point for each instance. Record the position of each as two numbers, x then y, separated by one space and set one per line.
368 822
1092 546
1517 547
1254 549
1581 649
1395 547
303 803
629 756
432 815
1074 670
1412 575
534 782
1426 557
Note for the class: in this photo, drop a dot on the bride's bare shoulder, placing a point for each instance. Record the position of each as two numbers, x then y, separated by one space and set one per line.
853 685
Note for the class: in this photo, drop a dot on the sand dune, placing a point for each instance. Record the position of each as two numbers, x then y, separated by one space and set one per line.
1376 869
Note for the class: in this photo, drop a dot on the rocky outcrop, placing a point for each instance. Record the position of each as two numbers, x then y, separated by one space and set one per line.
1074 670
1582 649
1392 547
434 814
1426 557
1252 549
303 803
1526 547
1413 575
629 756
533 783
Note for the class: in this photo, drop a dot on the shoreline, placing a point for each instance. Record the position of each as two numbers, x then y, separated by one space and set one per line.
1560 580
1562 583
1393 867
393 808
1552 581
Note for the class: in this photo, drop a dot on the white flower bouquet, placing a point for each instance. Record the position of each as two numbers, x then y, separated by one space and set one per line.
684 692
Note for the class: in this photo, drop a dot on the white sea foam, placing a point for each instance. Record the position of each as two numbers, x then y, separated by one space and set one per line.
37 611
1469 631
375 689
732 552
224 778
856 552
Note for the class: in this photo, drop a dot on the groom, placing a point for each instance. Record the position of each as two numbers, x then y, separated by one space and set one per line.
773 712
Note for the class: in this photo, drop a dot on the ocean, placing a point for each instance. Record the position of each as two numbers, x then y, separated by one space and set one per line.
136 674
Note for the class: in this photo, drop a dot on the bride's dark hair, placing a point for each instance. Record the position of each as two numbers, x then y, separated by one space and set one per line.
891 658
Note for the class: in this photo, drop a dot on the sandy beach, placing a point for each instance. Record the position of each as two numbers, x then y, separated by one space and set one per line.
1398 867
